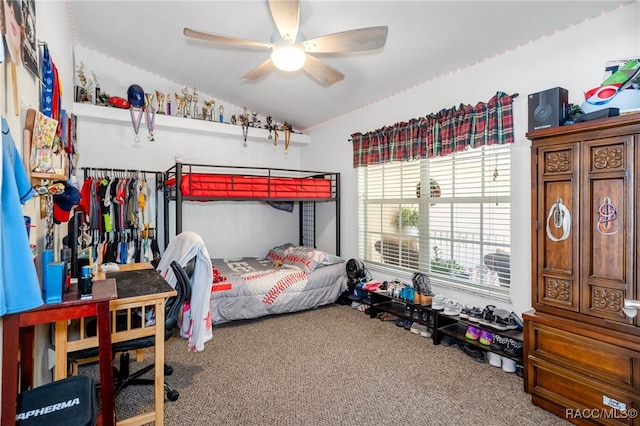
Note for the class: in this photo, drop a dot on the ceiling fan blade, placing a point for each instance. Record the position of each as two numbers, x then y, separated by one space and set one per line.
349 41
259 71
223 39
286 15
321 71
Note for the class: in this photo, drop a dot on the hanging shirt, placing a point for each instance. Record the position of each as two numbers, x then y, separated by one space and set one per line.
19 284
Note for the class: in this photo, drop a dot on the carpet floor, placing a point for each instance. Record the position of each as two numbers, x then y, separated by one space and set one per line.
331 366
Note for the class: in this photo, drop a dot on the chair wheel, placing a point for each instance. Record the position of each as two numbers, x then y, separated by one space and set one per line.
168 370
172 395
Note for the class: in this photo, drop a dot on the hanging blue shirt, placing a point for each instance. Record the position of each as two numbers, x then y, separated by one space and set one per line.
47 83
19 284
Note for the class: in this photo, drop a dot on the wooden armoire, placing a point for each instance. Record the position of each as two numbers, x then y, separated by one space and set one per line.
582 351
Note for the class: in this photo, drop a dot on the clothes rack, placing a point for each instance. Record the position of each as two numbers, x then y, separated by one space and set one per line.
120 219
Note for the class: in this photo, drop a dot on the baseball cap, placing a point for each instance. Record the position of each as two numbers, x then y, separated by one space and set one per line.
64 203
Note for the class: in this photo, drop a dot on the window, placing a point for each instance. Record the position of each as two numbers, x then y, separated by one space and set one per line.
448 217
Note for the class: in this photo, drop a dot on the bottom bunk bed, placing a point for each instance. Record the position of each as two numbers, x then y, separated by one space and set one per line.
289 279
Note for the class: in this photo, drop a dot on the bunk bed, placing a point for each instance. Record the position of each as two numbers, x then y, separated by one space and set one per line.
201 182
288 278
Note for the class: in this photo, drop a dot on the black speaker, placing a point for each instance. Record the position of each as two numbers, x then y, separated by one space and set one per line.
549 108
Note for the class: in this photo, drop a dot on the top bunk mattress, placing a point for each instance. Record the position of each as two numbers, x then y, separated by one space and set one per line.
208 185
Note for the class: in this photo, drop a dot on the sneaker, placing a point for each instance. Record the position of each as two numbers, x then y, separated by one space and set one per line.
452 307
417 314
498 343
472 333
464 313
474 352
475 314
400 322
410 297
391 288
488 316
408 311
502 320
485 337
513 348
515 319
425 332
420 329
494 359
415 328
438 301
508 365
408 324
426 316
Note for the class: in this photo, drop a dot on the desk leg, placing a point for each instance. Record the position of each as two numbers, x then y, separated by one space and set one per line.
60 366
159 376
27 337
10 332
106 366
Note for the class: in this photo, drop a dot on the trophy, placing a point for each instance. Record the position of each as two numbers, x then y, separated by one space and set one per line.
254 120
194 103
244 118
160 99
81 91
96 90
179 105
221 114
148 100
186 99
211 109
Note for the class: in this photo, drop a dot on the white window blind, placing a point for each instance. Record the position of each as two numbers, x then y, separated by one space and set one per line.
448 217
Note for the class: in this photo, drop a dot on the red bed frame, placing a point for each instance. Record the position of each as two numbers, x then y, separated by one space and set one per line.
202 182
251 187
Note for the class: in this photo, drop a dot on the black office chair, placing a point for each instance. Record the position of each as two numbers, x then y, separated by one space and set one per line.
122 375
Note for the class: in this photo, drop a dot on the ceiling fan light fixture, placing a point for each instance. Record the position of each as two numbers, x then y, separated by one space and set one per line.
288 57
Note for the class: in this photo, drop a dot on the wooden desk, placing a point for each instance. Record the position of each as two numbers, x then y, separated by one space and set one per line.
135 292
17 342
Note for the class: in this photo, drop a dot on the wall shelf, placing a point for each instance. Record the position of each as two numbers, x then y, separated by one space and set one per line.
118 116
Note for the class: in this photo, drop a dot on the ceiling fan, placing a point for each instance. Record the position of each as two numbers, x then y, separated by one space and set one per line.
291 52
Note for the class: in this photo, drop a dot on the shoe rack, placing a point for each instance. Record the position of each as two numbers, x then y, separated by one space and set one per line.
456 327
383 302
438 324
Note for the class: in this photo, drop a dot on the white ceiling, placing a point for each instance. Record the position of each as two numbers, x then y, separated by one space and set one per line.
426 39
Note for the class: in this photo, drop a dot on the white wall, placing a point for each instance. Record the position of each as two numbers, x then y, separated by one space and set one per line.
52 27
229 229
573 58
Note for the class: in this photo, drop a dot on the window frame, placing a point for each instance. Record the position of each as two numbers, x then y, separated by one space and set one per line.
366 238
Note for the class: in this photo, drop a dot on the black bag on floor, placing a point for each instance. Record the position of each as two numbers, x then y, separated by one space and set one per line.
69 402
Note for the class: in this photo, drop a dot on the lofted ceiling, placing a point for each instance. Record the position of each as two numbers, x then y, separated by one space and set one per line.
426 39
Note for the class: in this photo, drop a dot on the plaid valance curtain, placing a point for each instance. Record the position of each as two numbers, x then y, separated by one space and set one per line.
442 133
